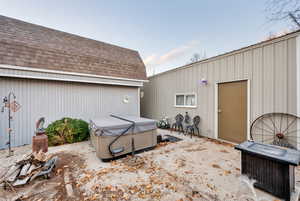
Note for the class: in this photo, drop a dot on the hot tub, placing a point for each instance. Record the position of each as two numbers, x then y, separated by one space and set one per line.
118 135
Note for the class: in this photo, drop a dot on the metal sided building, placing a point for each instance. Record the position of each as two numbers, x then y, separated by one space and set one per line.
56 74
231 90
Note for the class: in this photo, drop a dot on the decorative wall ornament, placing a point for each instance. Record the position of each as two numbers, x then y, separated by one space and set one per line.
12 106
204 81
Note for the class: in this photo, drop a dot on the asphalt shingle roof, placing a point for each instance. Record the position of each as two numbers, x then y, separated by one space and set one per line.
29 45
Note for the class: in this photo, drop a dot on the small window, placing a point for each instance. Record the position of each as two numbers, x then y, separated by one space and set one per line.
180 100
185 100
190 100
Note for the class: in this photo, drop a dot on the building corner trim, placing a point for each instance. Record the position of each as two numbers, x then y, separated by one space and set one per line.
298 73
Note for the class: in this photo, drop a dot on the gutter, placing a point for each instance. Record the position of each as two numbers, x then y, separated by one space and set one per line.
66 73
34 73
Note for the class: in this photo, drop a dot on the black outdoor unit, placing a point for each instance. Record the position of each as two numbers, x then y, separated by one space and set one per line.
272 167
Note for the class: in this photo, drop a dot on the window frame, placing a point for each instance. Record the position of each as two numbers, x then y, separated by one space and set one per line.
184 101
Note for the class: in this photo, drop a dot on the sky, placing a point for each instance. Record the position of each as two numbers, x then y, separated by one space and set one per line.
166 33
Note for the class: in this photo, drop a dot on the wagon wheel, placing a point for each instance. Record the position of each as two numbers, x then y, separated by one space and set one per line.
278 129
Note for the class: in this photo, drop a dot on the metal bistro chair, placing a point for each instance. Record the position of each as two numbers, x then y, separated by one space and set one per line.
195 126
178 123
186 121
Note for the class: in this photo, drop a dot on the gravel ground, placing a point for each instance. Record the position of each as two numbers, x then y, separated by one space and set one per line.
191 169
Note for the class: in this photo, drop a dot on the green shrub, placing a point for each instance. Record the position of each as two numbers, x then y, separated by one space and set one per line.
67 130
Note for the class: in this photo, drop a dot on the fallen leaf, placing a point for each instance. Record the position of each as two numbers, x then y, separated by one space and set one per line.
227 172
216 166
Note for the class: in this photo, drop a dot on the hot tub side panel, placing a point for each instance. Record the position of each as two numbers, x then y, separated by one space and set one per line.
143 140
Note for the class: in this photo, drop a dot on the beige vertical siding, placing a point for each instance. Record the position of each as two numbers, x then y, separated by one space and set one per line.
54 100
270 67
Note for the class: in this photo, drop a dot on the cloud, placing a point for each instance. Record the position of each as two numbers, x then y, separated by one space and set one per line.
156 60
150 59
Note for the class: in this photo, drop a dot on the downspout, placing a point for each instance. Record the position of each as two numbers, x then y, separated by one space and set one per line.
298 79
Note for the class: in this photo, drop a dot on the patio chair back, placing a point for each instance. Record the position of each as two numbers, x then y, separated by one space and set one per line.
178 123
179 118
187 118
196 121
195 127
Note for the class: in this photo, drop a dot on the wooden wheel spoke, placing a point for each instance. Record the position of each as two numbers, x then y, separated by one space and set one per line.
268 126
268 139
289 124
271 138
264 129
294 137
280 123
294 131
260 134
273 122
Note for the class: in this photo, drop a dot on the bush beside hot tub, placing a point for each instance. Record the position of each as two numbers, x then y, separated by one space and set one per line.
67 130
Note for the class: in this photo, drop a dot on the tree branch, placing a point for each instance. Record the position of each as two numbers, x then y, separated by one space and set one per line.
295 19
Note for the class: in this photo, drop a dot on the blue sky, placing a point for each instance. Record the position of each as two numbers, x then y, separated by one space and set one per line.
166 33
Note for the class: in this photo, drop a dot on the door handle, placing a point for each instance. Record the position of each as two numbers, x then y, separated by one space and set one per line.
219 110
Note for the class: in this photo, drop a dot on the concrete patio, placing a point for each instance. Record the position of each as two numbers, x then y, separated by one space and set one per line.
191 169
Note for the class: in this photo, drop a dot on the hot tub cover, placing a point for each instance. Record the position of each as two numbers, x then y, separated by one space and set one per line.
112 126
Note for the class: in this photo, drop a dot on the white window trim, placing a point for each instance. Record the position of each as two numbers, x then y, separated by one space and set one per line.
185 94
